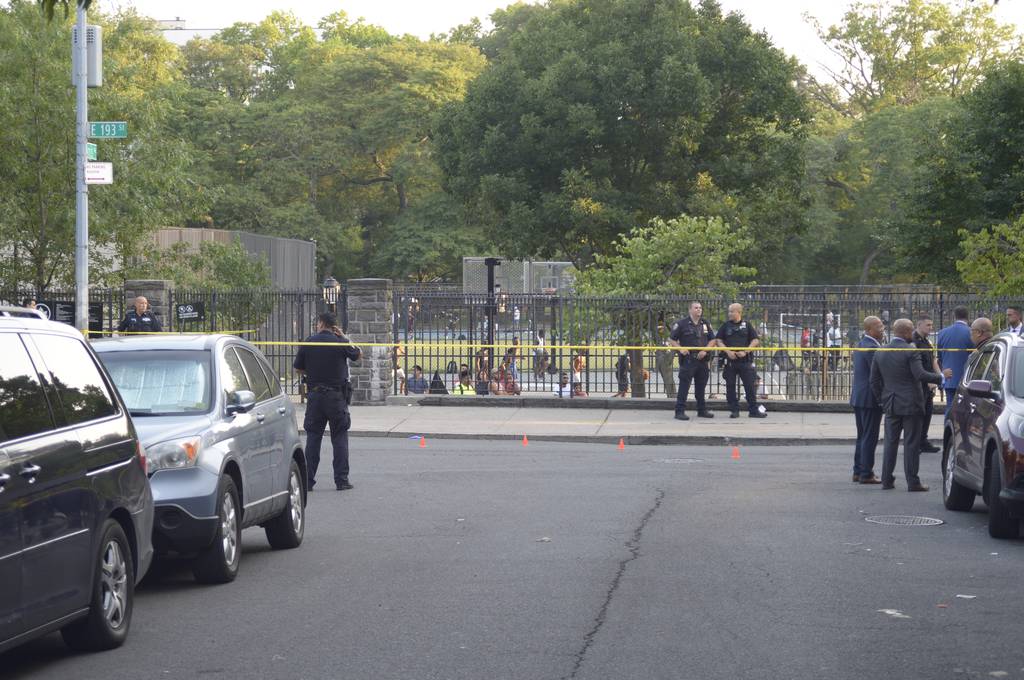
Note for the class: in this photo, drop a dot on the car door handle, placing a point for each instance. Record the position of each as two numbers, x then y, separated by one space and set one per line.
4 478
260 417
30 471
282 410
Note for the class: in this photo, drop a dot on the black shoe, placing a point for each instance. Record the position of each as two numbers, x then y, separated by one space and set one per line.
758 414
682 416
343 486
706 414
734 414
309 487
928 447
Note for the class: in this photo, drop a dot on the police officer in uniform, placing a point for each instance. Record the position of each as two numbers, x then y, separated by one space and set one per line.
737 333
141 319
328 391
693 331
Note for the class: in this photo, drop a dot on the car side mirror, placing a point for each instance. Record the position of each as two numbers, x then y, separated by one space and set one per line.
982 389
241 401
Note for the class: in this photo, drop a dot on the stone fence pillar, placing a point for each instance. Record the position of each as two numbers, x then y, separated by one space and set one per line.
157 291
369 320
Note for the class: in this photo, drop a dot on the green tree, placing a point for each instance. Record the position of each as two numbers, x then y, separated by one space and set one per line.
152 183
669 257
596 115
214 265
901 53
992 258
973 176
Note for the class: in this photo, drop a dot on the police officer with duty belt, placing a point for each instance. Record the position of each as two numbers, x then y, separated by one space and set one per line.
693 331
328 393
140 319
737 333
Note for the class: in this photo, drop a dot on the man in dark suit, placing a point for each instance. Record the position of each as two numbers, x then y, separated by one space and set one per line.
896 378
865 407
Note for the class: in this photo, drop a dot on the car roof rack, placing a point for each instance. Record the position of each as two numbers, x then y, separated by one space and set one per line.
23 312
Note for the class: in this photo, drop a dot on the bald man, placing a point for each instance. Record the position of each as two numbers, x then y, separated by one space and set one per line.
738 337
981 331
867 412
140 319
896 379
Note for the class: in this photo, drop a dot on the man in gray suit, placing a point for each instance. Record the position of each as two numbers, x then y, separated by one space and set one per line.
896 379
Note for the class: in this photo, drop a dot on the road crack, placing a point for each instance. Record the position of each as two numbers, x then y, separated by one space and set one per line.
633 546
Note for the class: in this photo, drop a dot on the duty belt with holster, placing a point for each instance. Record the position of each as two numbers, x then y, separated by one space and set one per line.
345 389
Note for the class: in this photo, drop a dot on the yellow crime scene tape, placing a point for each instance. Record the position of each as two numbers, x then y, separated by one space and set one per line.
465 344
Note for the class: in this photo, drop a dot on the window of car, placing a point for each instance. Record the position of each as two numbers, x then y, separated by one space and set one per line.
275 383
232 376
80 386
23 407
1017 371
994 373
161 382
976 366
257 380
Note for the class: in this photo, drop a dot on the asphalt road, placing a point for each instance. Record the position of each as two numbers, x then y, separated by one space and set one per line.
484 561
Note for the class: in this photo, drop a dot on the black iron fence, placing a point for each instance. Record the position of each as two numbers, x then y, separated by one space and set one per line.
523 343
106 305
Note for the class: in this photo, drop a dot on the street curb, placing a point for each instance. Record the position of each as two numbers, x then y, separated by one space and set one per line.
632 440
603 403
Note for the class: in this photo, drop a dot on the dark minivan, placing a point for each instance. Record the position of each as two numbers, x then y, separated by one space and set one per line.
76 511
983 452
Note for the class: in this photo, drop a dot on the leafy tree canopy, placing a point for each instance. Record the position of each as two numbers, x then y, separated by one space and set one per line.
596 115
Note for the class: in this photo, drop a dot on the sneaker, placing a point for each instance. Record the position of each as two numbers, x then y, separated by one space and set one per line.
682 416
343 486
706 414
758 414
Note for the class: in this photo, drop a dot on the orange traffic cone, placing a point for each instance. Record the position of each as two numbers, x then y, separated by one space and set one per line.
622 444
423 442
735 453
526 442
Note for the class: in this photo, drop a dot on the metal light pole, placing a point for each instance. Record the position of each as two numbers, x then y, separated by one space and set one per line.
82 189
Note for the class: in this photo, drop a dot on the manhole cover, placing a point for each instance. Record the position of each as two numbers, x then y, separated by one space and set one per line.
679 460
903 520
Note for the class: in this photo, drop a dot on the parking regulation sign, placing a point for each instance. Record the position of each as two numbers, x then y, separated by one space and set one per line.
99 173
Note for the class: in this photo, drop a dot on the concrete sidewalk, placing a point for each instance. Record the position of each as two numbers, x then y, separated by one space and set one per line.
604 425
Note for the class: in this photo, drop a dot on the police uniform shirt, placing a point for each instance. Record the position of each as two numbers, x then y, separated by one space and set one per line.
927 357
737 333
140 323
690 334
325 366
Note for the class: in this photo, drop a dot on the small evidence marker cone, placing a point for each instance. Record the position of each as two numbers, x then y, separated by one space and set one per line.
735 453
622 444
423 442
526 442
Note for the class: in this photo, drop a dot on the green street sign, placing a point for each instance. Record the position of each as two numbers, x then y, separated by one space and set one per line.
108 130
90 151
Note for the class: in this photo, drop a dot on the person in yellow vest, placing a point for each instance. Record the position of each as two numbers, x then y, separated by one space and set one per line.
464 388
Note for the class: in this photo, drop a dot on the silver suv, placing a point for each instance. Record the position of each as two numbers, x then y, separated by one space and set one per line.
223 448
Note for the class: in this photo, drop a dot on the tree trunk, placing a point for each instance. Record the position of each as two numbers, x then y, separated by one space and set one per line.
866 269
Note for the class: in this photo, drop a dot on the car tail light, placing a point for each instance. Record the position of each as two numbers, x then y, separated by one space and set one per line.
142 458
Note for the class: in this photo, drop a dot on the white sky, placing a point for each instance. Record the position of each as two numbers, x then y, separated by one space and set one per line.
782 19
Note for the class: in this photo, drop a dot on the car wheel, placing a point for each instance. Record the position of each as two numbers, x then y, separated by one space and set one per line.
218 562
287 529
955 496
1000 523
113 592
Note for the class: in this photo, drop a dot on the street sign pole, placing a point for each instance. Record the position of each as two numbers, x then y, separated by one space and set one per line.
82 195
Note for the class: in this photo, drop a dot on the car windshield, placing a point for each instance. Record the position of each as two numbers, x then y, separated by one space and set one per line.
161 382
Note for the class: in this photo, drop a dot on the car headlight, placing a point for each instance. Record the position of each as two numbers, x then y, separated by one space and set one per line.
174 453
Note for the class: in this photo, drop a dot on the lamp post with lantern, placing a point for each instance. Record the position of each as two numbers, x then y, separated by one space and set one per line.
331 290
